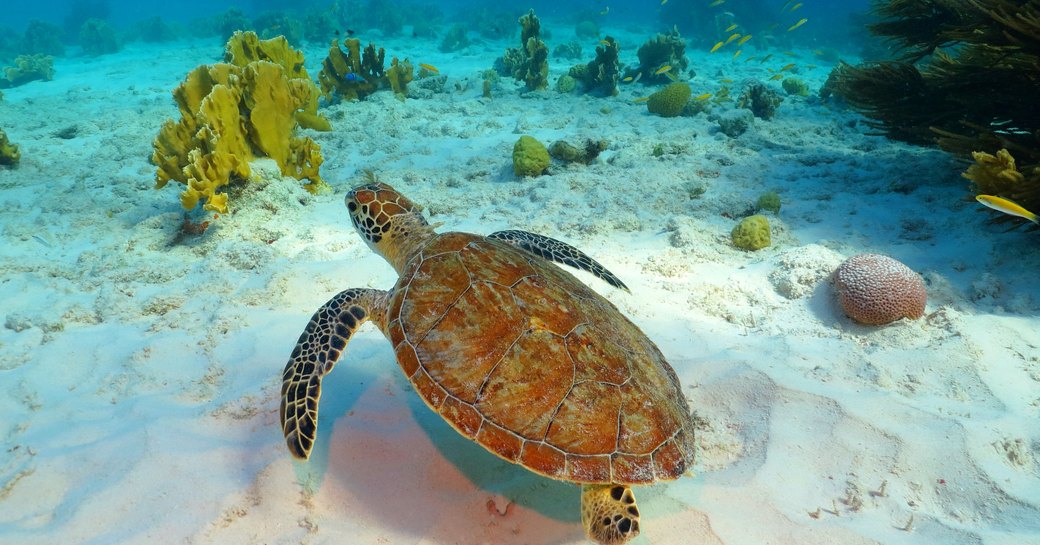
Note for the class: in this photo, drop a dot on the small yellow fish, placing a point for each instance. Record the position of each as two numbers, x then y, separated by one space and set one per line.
640 100
716 3
787 67
737 53
798 24
429 67
776 77
700 98
671 76
731 28
796 6
628 79
766 58
787 3
751 58
662 69
817 52
1003 205
604 42
732 37
744 40
716 47
790 53
725 80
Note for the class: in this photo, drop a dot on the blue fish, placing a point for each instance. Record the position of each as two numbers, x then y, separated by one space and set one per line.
351 76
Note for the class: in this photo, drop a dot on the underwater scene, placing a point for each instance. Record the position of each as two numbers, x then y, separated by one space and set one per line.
589 271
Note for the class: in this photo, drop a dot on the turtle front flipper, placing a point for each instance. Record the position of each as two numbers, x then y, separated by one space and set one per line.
557 252
319 347
609 513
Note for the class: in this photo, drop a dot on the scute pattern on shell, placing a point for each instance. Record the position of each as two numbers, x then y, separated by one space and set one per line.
875 290
523 358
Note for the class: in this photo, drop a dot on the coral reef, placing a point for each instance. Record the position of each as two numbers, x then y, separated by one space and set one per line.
244 48
569 50
752 233
875 290
768 202
455 39
570 153
966 78
734 123
351 74
670 101
530 158
529 63
586 29
661 50
97 37
398 76
602 74
231 114
795 86
566 83
997 174
761 100
9 155
28 68
42 38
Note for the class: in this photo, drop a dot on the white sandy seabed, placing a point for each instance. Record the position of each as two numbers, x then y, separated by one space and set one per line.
140 369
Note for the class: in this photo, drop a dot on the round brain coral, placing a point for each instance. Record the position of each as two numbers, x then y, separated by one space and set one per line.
875 290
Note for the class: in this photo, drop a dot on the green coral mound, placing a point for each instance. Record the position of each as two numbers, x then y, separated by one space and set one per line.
769 202
670 101
530 157
9 155
752 233
28 68
795 86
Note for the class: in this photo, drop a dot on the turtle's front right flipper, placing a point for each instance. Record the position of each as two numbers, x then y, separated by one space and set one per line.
317 351
557 252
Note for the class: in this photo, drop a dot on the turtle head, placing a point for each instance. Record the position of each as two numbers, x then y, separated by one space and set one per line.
391 224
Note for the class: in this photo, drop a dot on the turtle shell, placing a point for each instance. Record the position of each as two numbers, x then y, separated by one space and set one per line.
520 356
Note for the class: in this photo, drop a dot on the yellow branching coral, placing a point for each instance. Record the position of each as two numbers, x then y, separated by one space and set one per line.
8 152
229 116
246 47
399 75
351 73
993 174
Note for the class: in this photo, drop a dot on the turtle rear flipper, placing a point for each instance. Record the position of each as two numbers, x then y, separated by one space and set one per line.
609 513
319 347
557 252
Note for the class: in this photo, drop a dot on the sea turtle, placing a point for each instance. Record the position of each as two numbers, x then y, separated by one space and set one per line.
514 352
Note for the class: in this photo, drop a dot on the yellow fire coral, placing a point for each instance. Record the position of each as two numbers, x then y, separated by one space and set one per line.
246 47
229 116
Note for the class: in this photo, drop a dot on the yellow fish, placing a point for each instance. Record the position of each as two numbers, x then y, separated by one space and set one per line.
798 24
796 6
429 67
671 76
716 3
790 53
628 79
732 37
776 77
731 28
737 54
640 100
1003 205
744 40
787 67
716 47
751 58
662 69
604 42
725 80
766 58
703 97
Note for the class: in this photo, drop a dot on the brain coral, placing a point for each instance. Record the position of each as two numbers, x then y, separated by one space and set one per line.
875 290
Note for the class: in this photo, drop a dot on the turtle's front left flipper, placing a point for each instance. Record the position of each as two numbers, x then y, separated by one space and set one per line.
317 351
557 252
